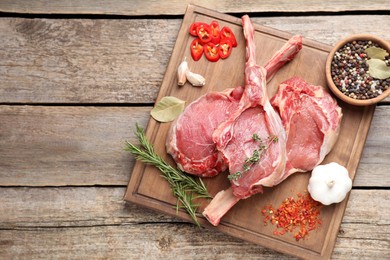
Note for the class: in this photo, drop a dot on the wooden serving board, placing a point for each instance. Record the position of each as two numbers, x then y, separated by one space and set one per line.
244 220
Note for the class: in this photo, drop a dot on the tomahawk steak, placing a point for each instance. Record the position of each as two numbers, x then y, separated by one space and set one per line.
190 141
252 140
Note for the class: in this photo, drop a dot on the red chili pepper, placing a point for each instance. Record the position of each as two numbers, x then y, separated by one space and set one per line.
226 32
215 34
193 27
225 48
196 49
211 52
204 32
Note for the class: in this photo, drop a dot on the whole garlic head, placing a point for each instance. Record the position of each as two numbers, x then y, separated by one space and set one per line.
329 183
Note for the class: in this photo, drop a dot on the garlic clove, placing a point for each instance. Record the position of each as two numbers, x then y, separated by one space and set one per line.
196 80
182 71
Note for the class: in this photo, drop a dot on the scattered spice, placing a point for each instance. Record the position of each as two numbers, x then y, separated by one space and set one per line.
299 215
350 71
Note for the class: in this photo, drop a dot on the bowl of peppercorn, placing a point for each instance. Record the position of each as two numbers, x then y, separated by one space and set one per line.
358 69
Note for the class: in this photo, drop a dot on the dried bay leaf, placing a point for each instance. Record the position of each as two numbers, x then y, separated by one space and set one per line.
377 69
376 53
167 109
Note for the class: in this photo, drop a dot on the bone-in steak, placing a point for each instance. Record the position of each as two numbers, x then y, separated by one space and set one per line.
189 141
235 138
190 138
311 118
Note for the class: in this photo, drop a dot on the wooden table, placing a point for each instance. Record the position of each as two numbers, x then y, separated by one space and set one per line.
75 77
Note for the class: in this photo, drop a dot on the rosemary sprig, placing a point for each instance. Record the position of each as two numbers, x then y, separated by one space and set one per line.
183 186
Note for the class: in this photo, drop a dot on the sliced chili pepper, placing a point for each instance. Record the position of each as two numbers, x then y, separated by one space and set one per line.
204 32
196 49
215 34
211 52
193 27
226 32
225 48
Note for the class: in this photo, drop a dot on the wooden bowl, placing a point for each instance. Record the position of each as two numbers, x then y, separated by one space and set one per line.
357 102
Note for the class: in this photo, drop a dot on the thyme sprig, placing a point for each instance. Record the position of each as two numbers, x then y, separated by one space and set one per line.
256 155
184 187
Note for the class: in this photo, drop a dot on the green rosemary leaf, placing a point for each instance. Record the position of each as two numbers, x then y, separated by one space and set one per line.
182 185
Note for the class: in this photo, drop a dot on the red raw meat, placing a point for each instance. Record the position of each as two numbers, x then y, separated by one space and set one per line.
311 118
190 138
234 138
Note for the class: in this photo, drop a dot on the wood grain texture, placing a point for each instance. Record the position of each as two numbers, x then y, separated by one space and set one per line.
376 152
122 61
119 61
88 61
176 7
85 217
57 146
42 145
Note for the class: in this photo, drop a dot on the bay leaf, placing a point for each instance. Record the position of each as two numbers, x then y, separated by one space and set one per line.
167 109
376 53
377 69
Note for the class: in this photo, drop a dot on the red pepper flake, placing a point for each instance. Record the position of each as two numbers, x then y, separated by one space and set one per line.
300 213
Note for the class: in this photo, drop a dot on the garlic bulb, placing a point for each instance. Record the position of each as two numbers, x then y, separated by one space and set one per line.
329 183
196 80
182 72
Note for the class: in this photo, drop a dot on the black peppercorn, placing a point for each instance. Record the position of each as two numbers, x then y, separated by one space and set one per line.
349 71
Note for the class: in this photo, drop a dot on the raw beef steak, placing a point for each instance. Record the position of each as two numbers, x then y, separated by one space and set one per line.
311 118
190 138
189 141
252 140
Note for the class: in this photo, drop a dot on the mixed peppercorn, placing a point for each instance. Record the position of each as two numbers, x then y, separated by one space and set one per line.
349 70
300 213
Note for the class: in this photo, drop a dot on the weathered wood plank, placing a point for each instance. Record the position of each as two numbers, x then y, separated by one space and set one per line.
89 61
376 153
67 145
95 206
149 241
70 207
84 217
174 7
119 61
57 146
165 241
